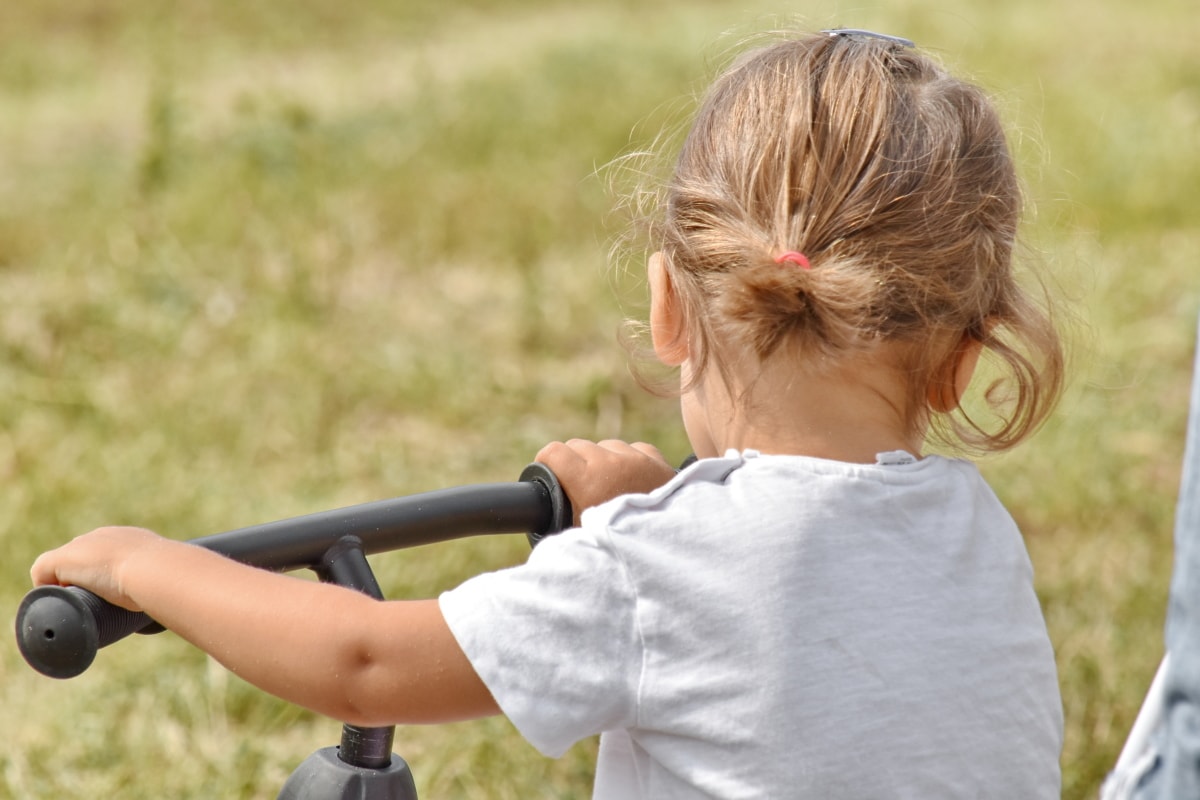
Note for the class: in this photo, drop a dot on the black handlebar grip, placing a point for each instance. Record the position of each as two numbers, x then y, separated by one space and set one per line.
558 505
60 628
562 516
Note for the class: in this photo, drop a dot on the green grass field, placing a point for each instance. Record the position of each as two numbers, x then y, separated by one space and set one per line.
262 259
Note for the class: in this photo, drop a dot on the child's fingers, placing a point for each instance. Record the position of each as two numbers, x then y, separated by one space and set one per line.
563 459
92 561
650 450
56 567
594 472
41 573
577 456
636 456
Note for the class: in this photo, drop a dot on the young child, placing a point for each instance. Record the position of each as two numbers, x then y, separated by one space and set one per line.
814 608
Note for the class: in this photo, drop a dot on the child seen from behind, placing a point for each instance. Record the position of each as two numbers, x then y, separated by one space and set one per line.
816 608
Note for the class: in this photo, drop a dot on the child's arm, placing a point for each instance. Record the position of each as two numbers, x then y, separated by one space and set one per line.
330 649
593 472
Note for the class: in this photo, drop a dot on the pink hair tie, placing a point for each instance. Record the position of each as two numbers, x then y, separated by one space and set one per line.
796 257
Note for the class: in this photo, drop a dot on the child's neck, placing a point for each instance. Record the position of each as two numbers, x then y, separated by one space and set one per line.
847 414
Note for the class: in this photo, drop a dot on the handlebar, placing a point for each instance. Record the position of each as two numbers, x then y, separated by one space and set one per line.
60 628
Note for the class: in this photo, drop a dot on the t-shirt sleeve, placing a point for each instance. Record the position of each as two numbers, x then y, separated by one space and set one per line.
555 640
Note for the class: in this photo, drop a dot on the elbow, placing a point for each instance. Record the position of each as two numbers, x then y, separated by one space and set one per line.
364 716
360 694
373 680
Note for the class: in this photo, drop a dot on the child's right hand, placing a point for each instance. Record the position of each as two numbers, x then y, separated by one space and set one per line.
594 472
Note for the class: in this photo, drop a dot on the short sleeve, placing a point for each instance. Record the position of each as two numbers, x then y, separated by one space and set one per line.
555 640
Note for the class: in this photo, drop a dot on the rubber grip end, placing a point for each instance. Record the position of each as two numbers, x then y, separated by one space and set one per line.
56 632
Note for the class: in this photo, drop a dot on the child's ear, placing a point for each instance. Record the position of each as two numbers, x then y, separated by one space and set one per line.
668 333
951 382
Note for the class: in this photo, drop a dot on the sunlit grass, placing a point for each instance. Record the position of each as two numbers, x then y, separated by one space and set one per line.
264 259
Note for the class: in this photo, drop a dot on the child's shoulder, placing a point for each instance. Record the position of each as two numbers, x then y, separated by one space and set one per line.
757 482
896 466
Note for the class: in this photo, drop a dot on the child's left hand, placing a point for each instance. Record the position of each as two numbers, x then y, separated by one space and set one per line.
94 562
594 472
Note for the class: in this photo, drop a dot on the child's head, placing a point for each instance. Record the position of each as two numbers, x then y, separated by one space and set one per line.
891 185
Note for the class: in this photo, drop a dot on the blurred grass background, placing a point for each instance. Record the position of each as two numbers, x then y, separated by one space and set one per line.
262 259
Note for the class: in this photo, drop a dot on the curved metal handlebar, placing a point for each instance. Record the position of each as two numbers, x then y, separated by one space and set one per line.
60 628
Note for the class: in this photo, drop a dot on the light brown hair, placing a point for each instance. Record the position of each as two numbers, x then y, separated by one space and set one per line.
895 180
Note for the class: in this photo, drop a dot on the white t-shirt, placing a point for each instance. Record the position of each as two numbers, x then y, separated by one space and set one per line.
781 627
